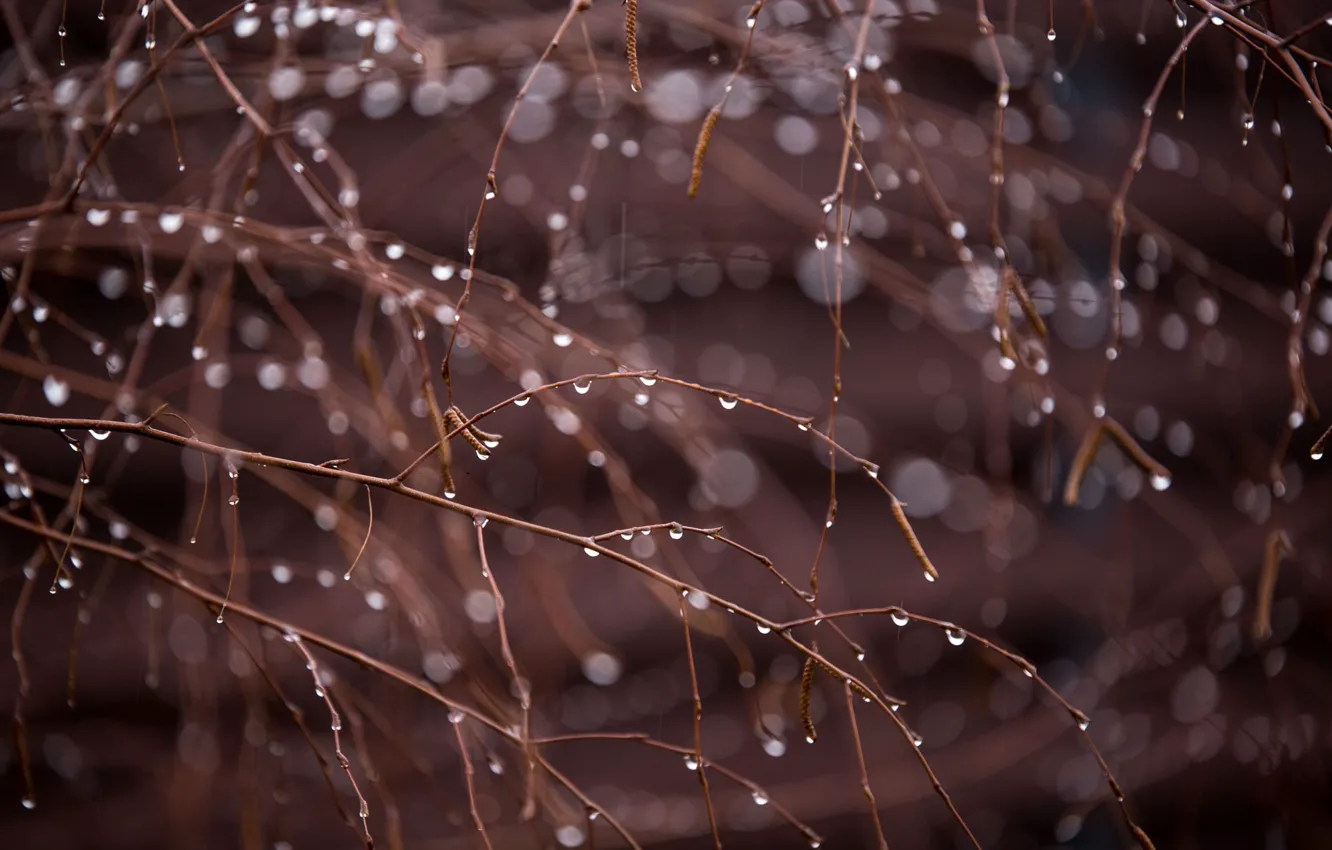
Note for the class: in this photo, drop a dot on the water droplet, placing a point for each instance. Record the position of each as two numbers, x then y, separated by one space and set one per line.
234 500
821 241
899 618
1050 36
647 380
55 390
760 799
1296 419
763 630
29 803
691 761
1160 482
581 387
496 766
590 552
1316 453
198 352
956 636
676 531
627 535
522 400
455 716
562 340
728 402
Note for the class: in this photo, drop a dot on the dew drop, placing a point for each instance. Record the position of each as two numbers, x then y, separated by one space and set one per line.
728 402
691 761
455 716
522 400
55 390
956 636
899 618
581 387
760 799
1160 482
562 340
763 630
590 552
29 803
676 531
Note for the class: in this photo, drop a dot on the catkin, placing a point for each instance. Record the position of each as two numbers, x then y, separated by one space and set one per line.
1135 451
1081 461
1277 547
806 691
631 43
909 533
701 149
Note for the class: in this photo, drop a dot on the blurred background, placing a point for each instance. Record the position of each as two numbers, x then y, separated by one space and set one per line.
262 217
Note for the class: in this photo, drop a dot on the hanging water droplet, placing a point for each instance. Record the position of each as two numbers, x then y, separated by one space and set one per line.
677 531
1050 36
728 402
1296 419
55 390
691 761
590 552
872 470
760 799
29 803
562 340
956 636
234 500
455 716
647 380
1160 482
336 723
821 241
899 618
1316 453
582 386
522 400
860 655
763 630
496 766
